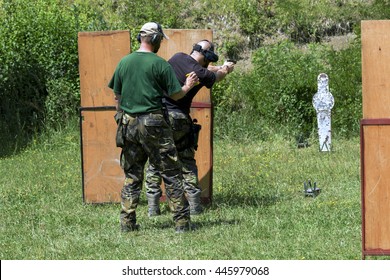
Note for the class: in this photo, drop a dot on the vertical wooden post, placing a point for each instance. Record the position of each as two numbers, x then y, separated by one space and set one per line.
375 138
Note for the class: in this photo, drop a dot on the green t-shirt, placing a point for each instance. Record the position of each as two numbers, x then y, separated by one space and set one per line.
142 78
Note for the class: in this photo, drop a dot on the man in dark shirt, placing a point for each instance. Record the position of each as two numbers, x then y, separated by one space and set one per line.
182 124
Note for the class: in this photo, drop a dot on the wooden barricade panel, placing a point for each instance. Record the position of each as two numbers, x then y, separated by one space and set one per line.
102 175
204 155
375 137
99 54
376 187
376 66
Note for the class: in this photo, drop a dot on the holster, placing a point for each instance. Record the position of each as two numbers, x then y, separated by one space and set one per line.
120 131
166 115
195 129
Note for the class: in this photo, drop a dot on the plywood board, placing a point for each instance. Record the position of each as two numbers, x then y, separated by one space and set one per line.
102 175
182 40
376 188
375 135
99 54
376 68
203 155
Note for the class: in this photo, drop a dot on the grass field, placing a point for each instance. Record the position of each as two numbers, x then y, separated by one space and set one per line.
259 210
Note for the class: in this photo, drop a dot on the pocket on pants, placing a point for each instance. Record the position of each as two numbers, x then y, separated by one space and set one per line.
179 121
155 125
130 127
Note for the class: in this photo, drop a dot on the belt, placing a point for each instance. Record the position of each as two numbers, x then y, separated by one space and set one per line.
134 115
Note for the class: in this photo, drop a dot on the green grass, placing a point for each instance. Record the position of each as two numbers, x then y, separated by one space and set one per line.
258 211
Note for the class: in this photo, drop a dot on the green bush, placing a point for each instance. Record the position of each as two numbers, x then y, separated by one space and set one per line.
346 87
39 76
133 14
257 20
62 97
39 44
280 88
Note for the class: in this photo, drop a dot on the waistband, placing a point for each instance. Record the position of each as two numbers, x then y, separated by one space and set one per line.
134 115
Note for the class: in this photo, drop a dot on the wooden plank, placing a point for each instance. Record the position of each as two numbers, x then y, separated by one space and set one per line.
99 54
102 175
375 135
203 155
376 189
376 66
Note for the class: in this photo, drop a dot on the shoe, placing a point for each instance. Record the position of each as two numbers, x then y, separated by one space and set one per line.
130 227
152 212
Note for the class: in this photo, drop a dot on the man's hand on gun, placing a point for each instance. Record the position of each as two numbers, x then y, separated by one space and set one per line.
229 65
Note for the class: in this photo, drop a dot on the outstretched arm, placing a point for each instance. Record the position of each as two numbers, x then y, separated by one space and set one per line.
221 71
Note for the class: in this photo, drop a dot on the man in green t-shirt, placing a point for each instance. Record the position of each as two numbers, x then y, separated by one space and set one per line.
139 83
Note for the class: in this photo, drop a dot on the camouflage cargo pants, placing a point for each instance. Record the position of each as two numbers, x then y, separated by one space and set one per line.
181 129
149 136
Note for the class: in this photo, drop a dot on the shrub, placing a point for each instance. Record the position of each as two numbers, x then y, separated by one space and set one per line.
346 87
39 75
39 44
280 88
60 104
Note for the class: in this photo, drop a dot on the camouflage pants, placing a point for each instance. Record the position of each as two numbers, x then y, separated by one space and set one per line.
149 136
181 128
